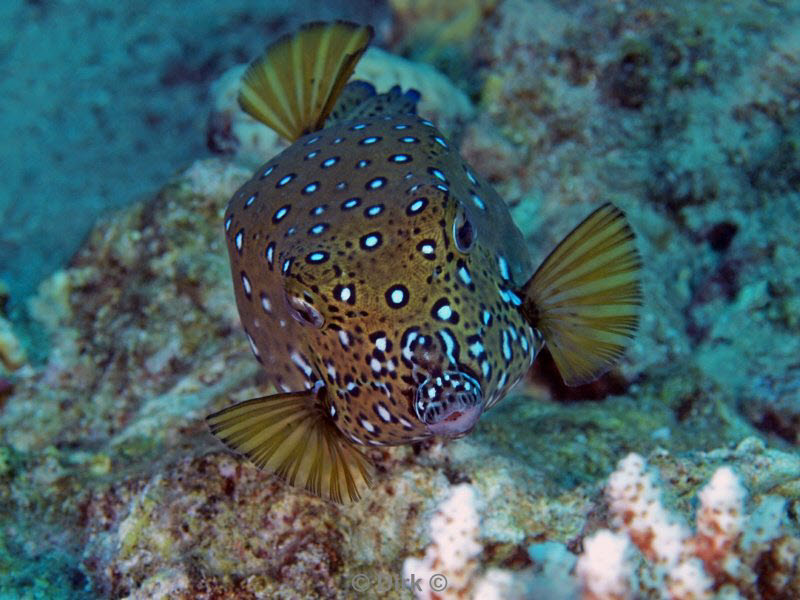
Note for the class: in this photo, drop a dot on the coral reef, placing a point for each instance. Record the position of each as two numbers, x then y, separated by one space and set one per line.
731 554
685 115
690 125
12 352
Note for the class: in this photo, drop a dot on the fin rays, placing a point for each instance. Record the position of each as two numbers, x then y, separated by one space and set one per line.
585 297
293 87
290 435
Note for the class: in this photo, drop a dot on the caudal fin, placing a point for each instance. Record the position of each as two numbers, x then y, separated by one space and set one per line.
290 435
585 297
293 87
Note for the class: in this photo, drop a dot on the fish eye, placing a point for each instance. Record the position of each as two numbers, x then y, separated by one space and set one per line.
304 312
464 233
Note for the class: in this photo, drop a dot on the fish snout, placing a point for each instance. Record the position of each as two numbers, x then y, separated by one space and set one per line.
449 404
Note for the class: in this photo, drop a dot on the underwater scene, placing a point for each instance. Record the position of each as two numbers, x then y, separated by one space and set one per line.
415 299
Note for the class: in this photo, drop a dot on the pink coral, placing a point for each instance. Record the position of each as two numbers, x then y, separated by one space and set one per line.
729 549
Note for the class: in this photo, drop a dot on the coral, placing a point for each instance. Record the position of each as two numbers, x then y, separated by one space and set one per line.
12 353
729 549
440 32
452 556
605 568
451 567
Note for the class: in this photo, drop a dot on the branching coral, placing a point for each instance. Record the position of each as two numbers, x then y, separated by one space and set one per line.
454 549
731 553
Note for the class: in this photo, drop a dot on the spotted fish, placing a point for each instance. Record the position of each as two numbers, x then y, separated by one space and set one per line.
381 281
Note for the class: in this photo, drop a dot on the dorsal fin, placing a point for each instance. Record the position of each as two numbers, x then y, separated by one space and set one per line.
294 85
354 93
359 101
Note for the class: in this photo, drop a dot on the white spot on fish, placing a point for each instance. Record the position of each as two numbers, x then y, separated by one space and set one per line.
502 264
302 363
407 353
476 349
253 346
486 369
398 296
384 414
444 312
344 339
285 179
449 345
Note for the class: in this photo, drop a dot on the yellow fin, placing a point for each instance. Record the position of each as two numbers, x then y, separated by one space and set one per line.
290 435
293 87
585 297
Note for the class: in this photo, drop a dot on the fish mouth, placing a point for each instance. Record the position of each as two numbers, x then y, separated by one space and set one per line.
450 404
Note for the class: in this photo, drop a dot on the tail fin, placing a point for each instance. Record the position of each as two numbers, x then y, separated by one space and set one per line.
585 297
290 435
293 87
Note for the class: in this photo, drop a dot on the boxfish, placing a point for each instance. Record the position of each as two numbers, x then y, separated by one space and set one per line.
381 281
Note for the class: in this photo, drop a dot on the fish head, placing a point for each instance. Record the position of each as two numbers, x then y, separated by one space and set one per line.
387 279
397 310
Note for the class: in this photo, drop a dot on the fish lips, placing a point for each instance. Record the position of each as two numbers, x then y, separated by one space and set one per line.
450 404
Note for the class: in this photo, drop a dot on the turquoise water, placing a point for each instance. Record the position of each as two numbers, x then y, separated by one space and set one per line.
102 101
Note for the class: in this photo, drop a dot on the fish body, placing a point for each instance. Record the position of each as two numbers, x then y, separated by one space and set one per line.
356 223
382 283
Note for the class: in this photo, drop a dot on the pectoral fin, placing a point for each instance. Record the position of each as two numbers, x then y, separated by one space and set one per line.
585 297
292 436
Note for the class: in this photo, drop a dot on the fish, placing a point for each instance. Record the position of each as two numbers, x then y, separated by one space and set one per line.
381 281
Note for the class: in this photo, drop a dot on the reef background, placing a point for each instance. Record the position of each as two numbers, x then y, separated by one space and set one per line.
685 115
